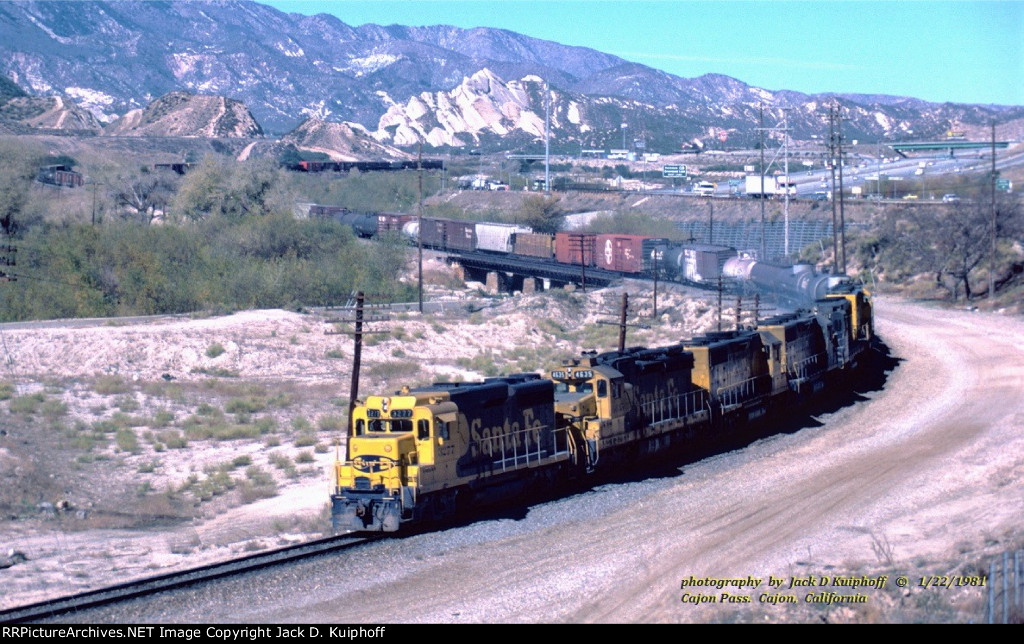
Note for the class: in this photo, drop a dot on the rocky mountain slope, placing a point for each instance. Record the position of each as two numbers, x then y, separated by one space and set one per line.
340 141
439 85
183 114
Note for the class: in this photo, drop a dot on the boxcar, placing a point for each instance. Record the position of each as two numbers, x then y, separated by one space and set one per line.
576 248
540 245
497 238
625 253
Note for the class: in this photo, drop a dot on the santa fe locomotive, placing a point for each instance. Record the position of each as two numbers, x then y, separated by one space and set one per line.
422 454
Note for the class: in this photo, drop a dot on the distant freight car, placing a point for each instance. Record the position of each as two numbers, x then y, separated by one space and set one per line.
626 253
540 245
692 262
497 238
448 234
392 221
576 248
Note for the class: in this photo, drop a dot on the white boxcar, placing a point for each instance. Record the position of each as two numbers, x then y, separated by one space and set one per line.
497 238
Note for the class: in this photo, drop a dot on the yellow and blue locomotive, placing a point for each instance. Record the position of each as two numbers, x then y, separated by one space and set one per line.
424 453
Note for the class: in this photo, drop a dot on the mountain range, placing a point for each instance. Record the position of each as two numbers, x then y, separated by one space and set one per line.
441 86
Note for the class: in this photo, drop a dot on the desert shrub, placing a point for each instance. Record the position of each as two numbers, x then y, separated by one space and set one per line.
127 441
27 404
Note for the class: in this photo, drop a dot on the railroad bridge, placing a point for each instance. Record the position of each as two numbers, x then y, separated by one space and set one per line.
504 273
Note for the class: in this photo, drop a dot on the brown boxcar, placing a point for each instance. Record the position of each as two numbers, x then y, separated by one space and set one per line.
576 248
624 253
392 221
448 234
535 245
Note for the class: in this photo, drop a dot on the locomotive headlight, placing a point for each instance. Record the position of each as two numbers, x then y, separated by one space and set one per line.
387 448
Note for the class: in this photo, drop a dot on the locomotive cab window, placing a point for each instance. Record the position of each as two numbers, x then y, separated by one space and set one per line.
422 429
360 427
602 388
390 426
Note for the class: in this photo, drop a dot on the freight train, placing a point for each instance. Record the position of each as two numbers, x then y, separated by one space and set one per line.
422 454
685 262
622 253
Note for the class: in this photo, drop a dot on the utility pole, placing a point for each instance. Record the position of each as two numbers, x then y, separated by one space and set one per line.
785 147
760 130
622 322
655 257
419 223
992 259
832 165
357 355
842 216
547 140
711 222
8 260
719 303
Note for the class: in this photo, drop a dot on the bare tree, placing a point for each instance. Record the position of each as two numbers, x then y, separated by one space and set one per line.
143 194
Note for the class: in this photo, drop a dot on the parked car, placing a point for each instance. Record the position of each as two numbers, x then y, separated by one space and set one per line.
950 198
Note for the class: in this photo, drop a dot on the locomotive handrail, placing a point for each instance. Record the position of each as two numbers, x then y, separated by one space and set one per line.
801 370
734 395
669 408
510 457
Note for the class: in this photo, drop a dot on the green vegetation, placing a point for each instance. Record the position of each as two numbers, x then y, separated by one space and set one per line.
27 404
214 350
229 241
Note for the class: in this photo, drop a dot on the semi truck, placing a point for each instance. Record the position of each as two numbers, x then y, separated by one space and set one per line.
753 187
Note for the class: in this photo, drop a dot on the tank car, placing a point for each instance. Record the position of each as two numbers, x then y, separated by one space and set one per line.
797 284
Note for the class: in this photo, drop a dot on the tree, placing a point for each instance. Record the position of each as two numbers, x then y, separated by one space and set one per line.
18 167
542 214
144 195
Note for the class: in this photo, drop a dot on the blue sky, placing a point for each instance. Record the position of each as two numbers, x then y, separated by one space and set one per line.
970 52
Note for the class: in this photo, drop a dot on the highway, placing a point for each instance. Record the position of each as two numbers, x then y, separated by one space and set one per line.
862 171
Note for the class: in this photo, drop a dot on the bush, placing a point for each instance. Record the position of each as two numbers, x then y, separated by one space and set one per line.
28 404
214 350
127 441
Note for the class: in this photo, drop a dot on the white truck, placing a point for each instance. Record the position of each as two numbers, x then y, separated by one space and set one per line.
753 186
785 185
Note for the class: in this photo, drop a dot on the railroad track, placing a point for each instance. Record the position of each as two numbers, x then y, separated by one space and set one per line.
160 583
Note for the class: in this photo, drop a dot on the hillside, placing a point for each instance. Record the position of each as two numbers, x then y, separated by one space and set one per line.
422 82
183 114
